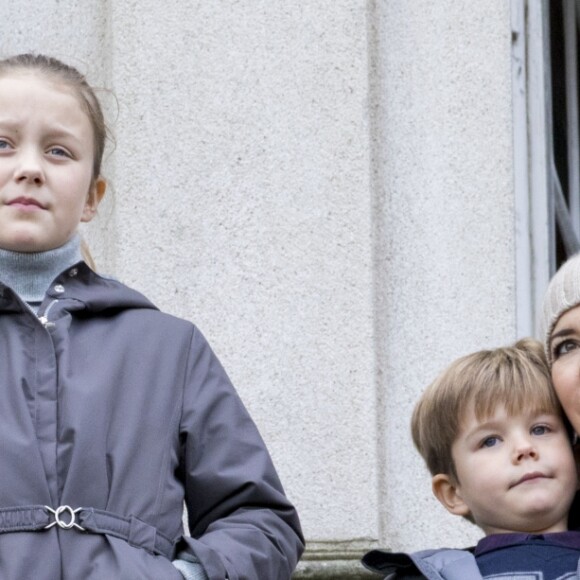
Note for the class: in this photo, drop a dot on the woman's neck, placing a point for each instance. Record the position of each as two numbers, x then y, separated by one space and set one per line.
30 274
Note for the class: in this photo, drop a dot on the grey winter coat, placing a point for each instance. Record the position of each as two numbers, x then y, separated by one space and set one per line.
111 415
441 564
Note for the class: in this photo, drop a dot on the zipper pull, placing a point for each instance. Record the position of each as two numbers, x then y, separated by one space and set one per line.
44 318
44 321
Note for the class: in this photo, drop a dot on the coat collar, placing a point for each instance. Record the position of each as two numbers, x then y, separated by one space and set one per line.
87 290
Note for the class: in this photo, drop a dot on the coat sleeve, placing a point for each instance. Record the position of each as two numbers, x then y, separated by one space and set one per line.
241 523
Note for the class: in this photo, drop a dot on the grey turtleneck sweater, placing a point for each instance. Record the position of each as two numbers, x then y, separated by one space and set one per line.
30 274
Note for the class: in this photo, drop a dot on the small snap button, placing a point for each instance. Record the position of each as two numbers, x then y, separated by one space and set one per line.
59 288
73 272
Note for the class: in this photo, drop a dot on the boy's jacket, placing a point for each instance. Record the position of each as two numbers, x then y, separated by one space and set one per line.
443 564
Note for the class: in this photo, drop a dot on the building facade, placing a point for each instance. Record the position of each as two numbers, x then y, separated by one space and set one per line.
344 195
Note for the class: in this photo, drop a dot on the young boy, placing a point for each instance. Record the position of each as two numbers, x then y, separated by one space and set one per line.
494 438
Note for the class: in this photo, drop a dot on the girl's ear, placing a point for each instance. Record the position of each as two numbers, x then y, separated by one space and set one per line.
449 494
96 194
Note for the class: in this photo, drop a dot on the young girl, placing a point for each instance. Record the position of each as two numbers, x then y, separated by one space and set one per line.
112 414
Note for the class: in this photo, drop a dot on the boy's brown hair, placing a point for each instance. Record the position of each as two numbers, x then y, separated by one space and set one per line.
517 376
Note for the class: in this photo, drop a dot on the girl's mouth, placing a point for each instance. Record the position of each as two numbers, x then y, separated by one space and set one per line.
26 203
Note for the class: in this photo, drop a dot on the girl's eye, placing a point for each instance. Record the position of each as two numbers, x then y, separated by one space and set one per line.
490 441
563 348
4 144
58 152
540 430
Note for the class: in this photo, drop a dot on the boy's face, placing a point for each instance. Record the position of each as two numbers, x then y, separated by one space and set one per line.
516 473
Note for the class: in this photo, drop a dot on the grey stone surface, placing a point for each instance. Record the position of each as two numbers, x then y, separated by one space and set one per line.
326 189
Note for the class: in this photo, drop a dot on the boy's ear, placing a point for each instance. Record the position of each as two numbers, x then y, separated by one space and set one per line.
448 493
96 194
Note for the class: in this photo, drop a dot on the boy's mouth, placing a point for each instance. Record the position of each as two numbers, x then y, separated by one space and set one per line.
532 476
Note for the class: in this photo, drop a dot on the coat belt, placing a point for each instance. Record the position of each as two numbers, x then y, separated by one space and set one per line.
135 532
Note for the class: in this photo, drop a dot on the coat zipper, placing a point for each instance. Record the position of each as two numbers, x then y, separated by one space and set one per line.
44 317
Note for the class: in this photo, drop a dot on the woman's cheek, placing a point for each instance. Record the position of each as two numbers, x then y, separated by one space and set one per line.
566 379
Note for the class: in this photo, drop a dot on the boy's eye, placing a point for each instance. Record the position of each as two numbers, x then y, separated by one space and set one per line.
540 430
490 441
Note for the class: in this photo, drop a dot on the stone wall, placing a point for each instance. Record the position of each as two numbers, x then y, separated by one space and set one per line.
326 189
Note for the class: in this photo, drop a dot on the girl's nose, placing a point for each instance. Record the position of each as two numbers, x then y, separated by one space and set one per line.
29 170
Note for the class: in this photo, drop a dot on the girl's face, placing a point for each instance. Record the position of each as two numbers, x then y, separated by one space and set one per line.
565 350
46 160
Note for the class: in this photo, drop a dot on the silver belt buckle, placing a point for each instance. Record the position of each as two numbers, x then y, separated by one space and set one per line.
58 512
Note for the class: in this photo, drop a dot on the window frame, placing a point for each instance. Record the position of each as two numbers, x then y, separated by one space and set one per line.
547 211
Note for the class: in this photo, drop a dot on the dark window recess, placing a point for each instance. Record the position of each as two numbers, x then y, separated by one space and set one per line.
564 188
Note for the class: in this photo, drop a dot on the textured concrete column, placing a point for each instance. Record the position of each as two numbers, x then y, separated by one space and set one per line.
243 202
444 226
325 188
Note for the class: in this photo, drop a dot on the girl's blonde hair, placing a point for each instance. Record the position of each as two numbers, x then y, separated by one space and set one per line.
517 376
61 73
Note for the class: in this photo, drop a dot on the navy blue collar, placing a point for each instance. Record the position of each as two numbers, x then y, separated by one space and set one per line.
570 539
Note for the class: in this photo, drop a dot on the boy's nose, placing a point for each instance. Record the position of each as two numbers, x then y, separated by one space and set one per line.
525 450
